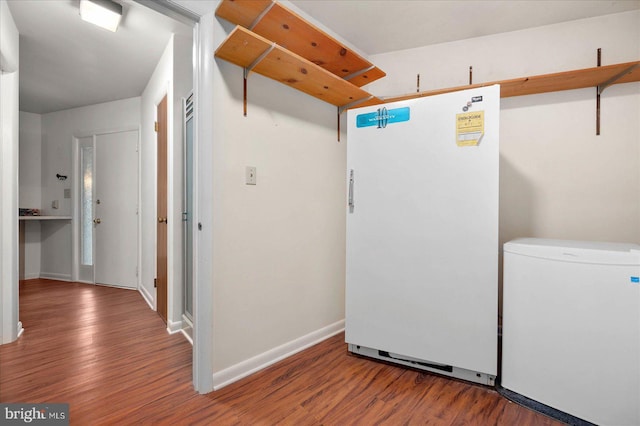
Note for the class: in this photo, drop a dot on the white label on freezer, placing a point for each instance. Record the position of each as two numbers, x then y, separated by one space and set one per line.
383 116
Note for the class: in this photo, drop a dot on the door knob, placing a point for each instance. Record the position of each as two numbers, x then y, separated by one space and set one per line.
162 220
97 221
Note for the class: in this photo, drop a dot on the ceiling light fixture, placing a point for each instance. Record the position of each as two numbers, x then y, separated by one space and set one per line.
103 13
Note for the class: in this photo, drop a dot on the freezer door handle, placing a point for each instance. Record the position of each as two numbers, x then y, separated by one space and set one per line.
351 191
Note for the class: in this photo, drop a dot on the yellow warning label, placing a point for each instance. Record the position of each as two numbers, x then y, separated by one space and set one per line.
469 128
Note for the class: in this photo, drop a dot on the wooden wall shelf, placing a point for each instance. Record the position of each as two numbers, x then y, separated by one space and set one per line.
255 53
277 43
600 77
275 22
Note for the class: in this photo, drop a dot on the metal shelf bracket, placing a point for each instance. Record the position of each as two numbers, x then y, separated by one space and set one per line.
343 108
602 86
262 14
357 73
616 77
598 96
248 69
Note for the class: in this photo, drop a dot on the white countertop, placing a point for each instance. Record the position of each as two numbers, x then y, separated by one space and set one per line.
44 217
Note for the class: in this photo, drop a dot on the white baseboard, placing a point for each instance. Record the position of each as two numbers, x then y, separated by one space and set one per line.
187 328
265 359
55 276
147 297
31 275
20 330
174 327
187 336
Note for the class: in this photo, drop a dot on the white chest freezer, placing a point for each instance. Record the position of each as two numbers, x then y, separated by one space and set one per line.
571 327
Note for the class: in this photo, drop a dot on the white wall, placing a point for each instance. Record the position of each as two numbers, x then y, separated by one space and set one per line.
10 327
58 131
557 178
279 246
29 193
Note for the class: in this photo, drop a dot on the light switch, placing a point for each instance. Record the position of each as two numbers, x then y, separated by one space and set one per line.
250 176
54 204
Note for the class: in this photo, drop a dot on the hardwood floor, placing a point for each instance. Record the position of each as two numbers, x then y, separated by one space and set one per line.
103 351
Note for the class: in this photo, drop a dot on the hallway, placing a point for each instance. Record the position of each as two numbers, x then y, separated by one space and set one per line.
100 349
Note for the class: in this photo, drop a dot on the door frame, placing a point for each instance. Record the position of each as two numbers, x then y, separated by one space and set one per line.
187 212
203 235
204 37
76 173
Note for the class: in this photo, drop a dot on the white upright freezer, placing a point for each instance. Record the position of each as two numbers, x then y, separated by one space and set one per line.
571 327
422 233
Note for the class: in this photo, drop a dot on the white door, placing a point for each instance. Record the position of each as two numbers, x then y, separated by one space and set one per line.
115 209
422 236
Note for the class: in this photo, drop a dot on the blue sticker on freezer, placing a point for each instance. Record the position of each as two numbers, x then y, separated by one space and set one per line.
635 280
383 116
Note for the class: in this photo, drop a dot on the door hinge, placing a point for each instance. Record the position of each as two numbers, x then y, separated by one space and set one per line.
155 126
155 283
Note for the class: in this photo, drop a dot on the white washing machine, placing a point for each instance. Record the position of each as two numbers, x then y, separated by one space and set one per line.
571 327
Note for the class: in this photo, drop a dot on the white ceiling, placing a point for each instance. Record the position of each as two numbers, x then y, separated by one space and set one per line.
379 26
66 62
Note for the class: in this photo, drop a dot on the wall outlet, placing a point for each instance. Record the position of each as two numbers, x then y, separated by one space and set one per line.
250 176
67 193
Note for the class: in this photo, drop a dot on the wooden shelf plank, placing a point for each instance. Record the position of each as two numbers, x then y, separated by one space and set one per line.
577 79
242 12
294 33
568 80
242 47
